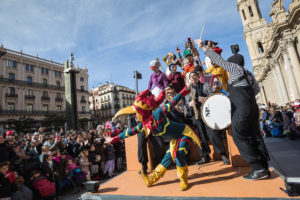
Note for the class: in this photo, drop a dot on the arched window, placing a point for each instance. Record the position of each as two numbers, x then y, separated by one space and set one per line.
244 15
260 47
250 11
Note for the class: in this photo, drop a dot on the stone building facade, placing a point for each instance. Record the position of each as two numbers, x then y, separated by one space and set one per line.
33 87
107 99
274 49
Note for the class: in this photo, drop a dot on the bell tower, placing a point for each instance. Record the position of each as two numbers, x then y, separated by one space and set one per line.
254 27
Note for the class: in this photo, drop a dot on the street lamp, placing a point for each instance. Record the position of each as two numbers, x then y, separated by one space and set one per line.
137 75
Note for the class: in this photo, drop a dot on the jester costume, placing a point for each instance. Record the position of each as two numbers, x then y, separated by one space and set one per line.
154 120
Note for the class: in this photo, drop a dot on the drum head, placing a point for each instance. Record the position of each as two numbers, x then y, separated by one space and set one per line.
216 112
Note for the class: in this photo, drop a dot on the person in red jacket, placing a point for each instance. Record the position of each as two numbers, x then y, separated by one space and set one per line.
41 186
175 78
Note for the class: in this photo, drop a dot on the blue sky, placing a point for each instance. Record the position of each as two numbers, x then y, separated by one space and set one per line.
114 37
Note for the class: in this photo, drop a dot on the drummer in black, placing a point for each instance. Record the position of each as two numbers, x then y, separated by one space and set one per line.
201 91
245 115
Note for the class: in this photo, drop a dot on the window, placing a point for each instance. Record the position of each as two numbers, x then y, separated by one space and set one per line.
45 82
83 108
29 80
260 47
44 70
250 11
57 84
244 15
82 97
11 106
29 107
58 95
45 108
82 88
11 77
27 67
81 79
12 64
45 93
29 92
57 73
58 108
12 90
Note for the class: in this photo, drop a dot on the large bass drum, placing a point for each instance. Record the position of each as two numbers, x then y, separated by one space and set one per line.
216 112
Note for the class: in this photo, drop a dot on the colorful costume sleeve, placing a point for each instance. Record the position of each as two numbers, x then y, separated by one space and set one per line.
210 69
128 132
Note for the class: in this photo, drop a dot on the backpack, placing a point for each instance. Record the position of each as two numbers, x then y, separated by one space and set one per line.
297 117
43 186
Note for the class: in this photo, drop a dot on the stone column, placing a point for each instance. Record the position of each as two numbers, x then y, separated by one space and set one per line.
294 61
279 90
291 82
281 82
263 94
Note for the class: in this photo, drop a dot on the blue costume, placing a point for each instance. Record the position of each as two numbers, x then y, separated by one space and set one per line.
156 122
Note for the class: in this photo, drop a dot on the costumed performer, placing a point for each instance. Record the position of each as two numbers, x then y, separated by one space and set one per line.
221 74
158 79
245 116
175 78
153 120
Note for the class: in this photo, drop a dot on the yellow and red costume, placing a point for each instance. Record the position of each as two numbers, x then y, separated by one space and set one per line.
154 120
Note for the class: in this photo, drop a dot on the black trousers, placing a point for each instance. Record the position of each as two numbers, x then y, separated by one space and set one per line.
245 127
207 134
158 148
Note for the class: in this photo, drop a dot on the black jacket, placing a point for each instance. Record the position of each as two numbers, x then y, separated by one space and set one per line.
6 187
7 154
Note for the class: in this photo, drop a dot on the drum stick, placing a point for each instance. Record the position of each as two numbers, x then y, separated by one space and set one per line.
162 67
201 36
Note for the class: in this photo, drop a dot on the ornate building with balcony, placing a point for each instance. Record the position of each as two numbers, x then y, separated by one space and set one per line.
274 49
106 100
33 87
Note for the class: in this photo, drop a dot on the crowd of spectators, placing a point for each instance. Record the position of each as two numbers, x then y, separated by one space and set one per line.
280 121
44 165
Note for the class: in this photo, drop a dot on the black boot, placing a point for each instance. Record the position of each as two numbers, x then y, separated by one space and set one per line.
205 159
225 160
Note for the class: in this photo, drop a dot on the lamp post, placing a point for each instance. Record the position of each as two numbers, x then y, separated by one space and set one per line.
71 93
136 76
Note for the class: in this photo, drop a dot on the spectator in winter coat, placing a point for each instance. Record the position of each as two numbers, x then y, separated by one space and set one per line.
7 187
6 152
85 164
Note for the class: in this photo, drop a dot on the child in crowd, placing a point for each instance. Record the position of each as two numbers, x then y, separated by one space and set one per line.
75 173
94 159
85 164
110 160
7 186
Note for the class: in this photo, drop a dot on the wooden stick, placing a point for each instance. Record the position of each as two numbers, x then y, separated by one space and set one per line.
201 36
